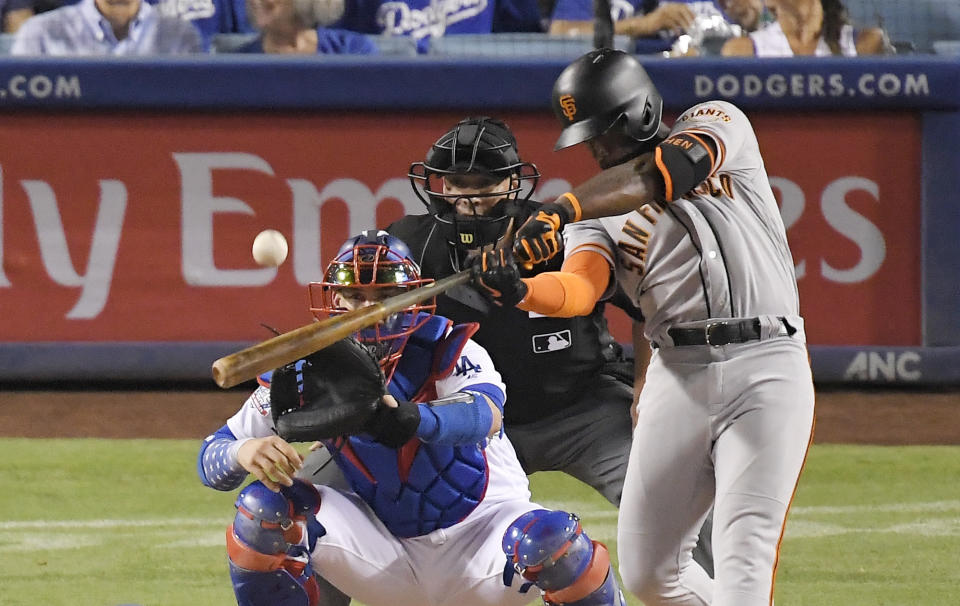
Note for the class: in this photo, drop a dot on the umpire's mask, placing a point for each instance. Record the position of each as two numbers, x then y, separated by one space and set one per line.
472 180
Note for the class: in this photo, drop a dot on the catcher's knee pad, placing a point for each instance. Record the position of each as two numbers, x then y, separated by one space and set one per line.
268 545
550 549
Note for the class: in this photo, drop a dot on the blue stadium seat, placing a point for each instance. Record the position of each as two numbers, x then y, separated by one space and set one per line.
229 43
947 47
394 45
388 45
6 41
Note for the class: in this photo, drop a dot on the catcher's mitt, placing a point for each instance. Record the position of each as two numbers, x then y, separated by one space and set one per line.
332 392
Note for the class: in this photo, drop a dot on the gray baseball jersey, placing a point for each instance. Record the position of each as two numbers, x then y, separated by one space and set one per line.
718 252
724 425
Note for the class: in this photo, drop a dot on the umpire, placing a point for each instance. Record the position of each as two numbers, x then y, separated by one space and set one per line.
569 388
564 413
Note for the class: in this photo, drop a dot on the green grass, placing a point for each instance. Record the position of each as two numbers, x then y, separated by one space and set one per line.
877 526
110 522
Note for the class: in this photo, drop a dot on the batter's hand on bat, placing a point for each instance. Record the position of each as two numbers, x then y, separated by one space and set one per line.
539 238
271 460
499 278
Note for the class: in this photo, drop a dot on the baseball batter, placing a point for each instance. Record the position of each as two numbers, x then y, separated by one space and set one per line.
568 411
438 509
685 221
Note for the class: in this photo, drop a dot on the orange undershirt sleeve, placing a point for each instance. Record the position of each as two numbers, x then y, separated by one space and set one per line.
572 291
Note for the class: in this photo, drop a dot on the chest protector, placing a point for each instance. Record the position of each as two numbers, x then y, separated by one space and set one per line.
419 487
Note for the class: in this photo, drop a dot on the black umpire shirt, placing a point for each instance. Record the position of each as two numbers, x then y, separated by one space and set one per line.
546 363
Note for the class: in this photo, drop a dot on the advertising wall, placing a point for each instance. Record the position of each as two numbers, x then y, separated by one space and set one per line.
134 227
139 229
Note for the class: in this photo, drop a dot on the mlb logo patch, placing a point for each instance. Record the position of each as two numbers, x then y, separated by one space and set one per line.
552 341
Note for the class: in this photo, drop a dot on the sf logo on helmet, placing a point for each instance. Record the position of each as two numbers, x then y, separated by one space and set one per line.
569 106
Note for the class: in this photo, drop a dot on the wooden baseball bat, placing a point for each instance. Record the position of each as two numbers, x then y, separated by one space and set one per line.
273 353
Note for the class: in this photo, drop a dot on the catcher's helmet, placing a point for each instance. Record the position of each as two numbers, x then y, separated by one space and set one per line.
371 266
599 89
486 149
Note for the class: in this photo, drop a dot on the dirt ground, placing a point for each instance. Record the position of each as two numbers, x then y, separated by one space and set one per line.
843 416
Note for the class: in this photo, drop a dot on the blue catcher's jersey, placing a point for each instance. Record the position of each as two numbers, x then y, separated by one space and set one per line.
419 487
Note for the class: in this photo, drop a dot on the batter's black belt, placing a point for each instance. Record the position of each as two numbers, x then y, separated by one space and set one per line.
719 332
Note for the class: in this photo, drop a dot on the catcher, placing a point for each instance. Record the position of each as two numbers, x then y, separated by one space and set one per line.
438 509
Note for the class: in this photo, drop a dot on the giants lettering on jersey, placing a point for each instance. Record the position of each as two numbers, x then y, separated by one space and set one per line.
713 186
399 18
706 113
636 240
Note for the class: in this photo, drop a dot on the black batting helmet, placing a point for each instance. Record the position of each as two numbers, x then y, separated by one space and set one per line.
476 146
600 88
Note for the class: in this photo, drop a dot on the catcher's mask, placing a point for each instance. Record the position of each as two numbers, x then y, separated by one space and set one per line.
483 153
603 88
368 268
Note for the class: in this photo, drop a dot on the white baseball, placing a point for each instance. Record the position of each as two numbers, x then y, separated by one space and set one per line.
270 248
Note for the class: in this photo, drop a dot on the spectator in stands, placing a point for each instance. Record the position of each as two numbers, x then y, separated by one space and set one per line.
679 27
105 27
809 28
298 27
421 19
749 14
634 18
211 17
511 16
14 13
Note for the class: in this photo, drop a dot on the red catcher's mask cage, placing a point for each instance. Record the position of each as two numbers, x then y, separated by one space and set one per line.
363 273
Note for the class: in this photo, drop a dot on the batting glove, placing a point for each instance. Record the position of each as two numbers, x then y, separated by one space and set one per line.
499 278
539 239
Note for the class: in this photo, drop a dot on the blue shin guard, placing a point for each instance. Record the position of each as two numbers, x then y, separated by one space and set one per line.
550 549
276 588
268 546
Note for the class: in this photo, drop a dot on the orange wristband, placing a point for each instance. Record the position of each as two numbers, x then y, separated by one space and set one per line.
577 209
